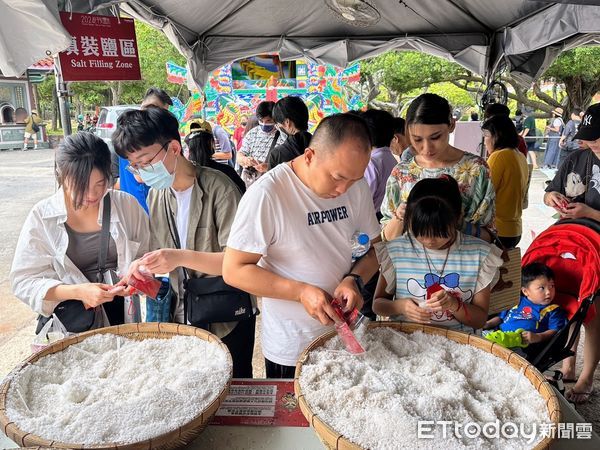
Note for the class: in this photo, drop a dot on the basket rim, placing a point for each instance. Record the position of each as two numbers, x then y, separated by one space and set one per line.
512 358
162 330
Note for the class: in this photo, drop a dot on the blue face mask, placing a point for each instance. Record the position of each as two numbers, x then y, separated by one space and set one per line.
266 127
158 177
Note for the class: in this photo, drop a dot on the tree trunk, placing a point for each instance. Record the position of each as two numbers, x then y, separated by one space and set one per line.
579 93
116 90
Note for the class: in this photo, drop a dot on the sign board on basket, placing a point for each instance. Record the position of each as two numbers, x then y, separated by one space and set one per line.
260 402
103 48
505 294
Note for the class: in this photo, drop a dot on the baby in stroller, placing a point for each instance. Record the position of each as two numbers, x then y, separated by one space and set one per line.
535 319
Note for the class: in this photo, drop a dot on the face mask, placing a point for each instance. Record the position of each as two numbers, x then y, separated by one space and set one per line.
282 130
158 177
267 128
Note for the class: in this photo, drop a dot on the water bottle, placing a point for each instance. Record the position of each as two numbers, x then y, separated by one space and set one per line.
359 244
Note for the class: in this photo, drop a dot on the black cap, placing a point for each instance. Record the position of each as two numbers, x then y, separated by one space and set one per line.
589 129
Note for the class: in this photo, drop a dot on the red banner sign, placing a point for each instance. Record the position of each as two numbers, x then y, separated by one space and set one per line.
103 48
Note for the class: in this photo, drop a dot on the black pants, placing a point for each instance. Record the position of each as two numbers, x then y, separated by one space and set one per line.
368 294
278 371
509 242
240 343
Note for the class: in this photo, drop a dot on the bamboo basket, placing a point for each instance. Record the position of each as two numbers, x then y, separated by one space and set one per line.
331 439
139 331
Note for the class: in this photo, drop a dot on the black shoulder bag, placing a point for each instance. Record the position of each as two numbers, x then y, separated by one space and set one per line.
209 300
72 313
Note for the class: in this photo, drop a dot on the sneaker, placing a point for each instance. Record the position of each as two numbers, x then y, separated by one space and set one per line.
35 147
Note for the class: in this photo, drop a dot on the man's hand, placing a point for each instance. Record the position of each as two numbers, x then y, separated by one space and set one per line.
161 261
317 304
348 290
262 168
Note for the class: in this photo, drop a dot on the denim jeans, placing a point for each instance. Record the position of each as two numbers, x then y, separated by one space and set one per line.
159 309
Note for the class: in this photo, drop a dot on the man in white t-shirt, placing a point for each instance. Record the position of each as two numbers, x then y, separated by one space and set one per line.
290 240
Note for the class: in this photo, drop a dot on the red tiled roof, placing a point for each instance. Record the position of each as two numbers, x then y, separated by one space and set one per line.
44 64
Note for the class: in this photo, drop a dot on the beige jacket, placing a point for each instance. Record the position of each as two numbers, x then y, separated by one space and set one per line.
212 208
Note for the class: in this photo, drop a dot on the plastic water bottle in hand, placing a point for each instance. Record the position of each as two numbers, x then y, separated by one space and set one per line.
359 244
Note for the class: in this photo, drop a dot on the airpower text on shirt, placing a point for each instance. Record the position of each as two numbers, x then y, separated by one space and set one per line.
330 215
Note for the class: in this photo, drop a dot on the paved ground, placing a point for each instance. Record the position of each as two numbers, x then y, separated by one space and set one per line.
26 178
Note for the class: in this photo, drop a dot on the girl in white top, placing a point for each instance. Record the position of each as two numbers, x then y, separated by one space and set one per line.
43 273
434 273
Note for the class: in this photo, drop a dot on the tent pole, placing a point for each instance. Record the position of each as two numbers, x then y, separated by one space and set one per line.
62 89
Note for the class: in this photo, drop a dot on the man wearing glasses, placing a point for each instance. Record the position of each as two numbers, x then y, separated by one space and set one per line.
200 201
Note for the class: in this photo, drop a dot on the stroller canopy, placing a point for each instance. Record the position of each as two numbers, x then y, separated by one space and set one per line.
572 251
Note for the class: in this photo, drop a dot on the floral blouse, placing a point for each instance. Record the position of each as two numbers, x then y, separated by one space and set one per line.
473 177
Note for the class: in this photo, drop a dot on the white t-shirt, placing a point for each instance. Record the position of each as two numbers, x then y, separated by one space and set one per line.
183 214
182 220
302 237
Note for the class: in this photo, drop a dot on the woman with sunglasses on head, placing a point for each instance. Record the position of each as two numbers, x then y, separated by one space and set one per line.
57 266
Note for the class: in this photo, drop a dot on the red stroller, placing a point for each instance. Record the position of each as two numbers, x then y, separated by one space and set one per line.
571 248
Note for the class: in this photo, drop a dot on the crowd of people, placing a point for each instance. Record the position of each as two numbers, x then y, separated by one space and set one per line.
271 216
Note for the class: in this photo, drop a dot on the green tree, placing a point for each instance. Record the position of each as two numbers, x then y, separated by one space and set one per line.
578 70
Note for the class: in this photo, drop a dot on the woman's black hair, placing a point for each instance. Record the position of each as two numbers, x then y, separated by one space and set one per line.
201 147
76 158
503 131
434 208
381 126
293 108
159 94
429 109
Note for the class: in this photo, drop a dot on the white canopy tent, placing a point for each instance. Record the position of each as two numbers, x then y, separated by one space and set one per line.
484 36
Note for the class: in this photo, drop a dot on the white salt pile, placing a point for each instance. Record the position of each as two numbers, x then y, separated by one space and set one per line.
377 399
113 389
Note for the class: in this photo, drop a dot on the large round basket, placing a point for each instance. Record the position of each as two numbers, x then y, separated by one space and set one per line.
331 439
139 331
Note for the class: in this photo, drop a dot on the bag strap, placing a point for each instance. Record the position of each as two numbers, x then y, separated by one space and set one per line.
273 143
104 237
173 230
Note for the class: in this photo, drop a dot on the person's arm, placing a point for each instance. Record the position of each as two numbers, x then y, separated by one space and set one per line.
492 323
240 269
222 156
524 132
529 337
391 210
348 290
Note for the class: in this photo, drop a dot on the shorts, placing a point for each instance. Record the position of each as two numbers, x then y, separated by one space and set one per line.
30 135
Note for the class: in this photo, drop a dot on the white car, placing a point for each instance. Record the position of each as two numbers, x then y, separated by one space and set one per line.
107 123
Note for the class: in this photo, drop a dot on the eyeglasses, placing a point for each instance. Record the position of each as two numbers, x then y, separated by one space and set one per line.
135 168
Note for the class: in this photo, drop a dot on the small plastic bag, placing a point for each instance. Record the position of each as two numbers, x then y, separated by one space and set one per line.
51 332
133 312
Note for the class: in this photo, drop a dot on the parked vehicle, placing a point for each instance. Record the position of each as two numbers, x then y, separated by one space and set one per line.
107 122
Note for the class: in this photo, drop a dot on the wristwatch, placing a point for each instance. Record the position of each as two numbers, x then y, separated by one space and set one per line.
357 279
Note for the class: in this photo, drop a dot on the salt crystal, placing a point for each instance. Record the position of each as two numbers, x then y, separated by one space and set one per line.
87 395
376 399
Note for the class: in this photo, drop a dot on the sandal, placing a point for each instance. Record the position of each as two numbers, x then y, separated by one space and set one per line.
578 397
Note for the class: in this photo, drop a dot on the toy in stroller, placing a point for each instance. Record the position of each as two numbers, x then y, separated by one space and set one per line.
571 248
